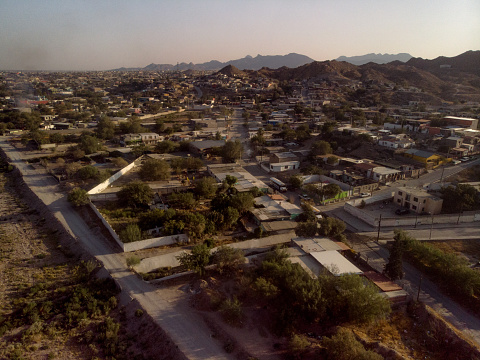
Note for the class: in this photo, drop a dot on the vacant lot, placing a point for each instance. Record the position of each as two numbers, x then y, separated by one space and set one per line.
50 304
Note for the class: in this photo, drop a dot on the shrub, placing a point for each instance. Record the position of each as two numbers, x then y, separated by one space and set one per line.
133 261
298 344
78 197
131 233
344 346
231 310
138 313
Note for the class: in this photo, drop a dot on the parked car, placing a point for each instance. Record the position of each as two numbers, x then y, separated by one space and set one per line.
304 197
456 162
465 159
402 211
364 195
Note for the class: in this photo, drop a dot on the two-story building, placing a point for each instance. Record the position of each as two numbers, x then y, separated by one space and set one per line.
417 200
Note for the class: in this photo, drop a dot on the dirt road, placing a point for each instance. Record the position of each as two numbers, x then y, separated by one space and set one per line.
167 308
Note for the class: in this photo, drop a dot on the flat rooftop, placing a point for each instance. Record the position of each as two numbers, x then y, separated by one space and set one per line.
335 262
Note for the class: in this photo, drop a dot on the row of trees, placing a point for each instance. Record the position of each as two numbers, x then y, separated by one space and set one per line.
448 269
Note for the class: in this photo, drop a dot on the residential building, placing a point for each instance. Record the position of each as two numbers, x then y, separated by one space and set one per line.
417 200
384 175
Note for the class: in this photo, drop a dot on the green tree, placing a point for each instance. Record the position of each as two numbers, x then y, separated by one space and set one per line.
296 181
232 151
344 346
173 227
166 146
230 180
321 148
135 194
89 144
231 310
159 126
329 191
242 202
206 187
358 301
394 268
197 260
228 259
194 225
132 126
105 128
297 345
119 162
184 200
131 233
230 217
193 164
88 172
463 197
78 197
332 160
306 229
56 138
308 215
331 227
154 170
155 218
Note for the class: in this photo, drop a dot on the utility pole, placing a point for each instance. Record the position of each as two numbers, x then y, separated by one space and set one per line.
379 226
419 286
431 228
441 177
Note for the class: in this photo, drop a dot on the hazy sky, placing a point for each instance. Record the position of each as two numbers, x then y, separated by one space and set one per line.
101 35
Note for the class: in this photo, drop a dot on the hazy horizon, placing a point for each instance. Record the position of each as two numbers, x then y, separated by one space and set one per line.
103 35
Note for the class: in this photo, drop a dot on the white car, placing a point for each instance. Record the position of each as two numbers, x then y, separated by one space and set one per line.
364 195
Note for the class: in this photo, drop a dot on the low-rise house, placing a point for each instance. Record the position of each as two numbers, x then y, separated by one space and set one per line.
427 158
150 138
284 166
205 147
274 208
383 174
283 157
453 141
417 200
245 180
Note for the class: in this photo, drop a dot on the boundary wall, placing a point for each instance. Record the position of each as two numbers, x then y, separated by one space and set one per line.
142 244
102 186
352 208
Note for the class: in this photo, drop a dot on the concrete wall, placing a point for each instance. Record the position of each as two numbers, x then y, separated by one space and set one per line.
99 188
352 208
360 214
155 242
309 179
143 244
103 196
107 226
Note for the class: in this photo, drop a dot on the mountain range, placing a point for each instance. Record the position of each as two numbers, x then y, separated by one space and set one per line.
375 58
291 60
444 78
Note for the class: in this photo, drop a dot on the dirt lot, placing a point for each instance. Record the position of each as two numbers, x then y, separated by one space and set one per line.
31 257
471 174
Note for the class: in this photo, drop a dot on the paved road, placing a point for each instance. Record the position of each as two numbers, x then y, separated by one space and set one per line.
430 294
186 329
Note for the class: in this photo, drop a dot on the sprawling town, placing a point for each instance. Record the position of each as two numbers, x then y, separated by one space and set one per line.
239 214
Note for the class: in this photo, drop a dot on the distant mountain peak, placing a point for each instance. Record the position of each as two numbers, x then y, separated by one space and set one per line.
375 58
291 60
